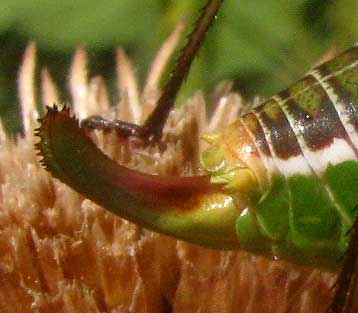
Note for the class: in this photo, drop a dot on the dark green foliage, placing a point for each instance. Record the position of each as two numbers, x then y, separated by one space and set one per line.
262 45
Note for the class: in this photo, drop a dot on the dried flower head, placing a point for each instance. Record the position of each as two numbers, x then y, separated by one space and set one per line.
61 253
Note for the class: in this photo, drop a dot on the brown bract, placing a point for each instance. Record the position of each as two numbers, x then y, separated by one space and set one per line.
61 253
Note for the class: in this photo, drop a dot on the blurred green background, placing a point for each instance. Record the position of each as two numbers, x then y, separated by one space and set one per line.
262 45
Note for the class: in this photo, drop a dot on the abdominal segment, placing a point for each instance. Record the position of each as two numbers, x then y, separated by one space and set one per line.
306 140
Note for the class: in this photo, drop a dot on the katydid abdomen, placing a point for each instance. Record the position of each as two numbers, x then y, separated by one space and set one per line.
300 148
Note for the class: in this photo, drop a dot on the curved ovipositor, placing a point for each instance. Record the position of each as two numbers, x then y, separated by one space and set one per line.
185 207
282 180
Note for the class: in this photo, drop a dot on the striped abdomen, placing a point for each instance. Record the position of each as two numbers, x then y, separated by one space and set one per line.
302 148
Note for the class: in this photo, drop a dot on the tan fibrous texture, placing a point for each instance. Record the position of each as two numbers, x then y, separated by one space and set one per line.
61 253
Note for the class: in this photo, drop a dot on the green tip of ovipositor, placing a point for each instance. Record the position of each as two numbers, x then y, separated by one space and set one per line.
189 208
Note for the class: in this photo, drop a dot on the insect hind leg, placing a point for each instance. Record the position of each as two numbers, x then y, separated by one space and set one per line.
123 129
152 129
